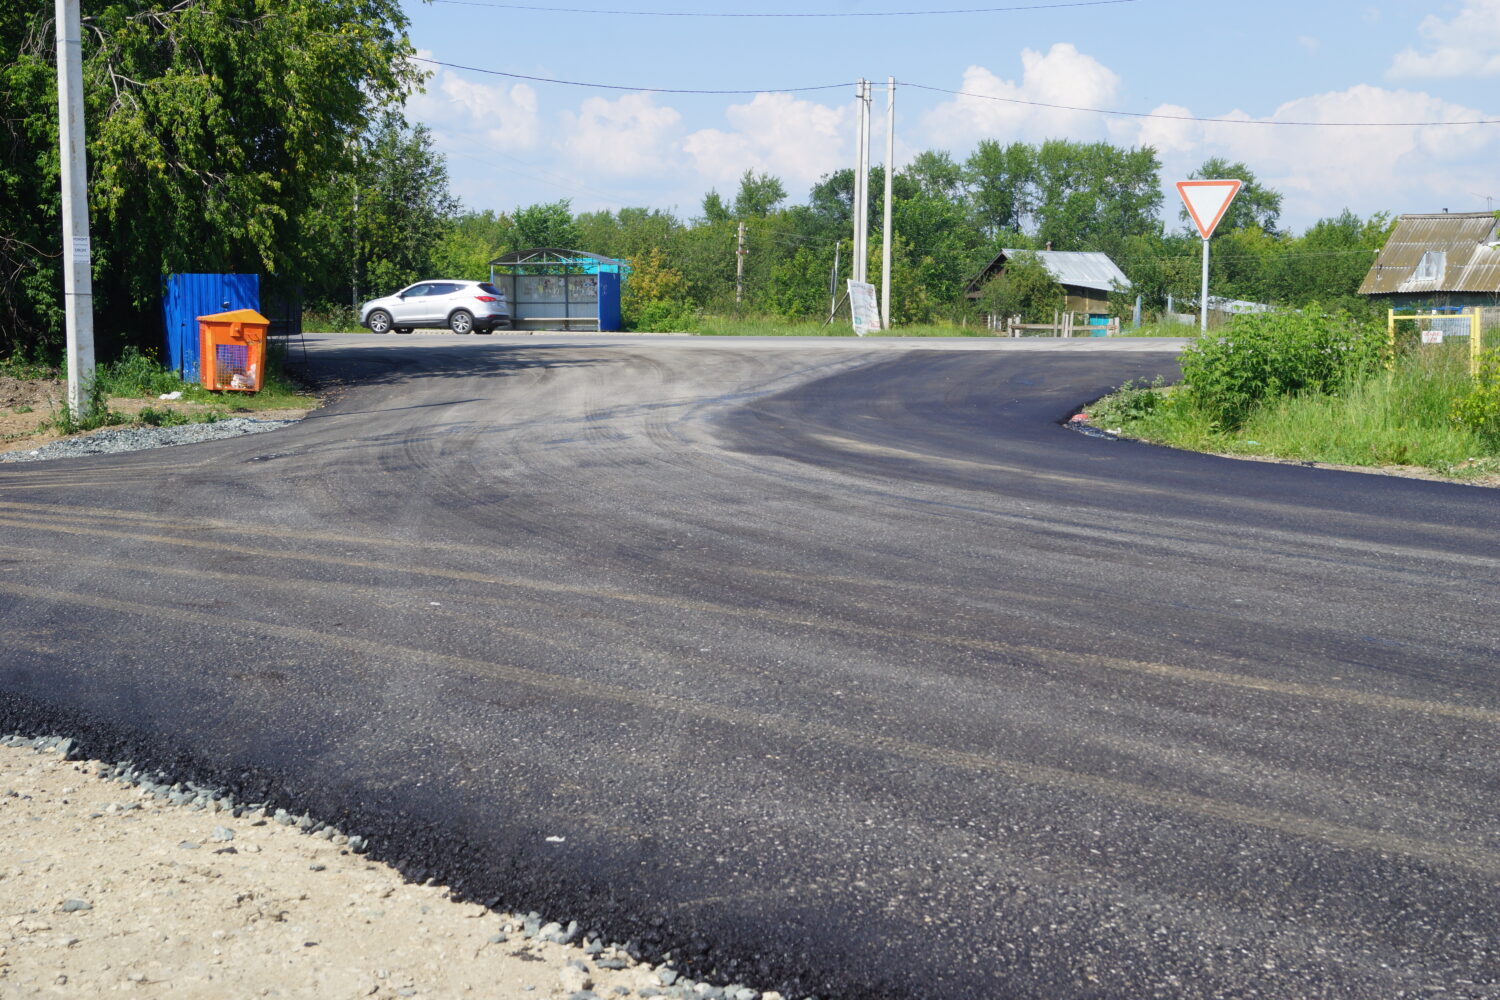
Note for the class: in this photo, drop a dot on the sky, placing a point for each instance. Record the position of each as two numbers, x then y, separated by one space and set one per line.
512 142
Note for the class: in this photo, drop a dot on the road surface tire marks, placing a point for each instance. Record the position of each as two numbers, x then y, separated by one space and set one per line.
849 672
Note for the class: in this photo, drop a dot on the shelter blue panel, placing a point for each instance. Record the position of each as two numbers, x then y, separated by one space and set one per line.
609 302
185 297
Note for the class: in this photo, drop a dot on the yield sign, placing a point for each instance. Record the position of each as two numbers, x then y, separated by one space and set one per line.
1207 201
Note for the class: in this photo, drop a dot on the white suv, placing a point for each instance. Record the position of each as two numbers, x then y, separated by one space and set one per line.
461 306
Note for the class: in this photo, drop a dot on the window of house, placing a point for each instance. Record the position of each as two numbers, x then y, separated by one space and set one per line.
1432 265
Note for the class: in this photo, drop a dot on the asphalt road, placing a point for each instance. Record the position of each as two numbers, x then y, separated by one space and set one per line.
840 667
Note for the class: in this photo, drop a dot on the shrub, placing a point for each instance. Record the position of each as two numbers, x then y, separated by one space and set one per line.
1130 402
95 413
1258 358
1024 288
136 374
1479 410
662 317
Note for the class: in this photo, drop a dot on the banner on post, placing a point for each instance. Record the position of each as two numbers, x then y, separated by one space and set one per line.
864 308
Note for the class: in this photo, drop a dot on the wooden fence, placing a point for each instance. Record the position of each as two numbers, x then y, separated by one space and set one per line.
1064 324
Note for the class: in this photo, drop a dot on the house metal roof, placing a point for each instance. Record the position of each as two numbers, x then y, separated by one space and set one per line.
1085 269
1470 262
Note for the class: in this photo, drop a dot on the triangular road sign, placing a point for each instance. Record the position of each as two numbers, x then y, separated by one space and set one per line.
1207 201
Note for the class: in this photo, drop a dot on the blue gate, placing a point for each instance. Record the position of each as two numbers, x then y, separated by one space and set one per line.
185 297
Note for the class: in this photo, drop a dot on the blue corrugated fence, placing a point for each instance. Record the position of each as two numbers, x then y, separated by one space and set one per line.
186 297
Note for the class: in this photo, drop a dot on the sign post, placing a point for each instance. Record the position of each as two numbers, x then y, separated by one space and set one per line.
1206 202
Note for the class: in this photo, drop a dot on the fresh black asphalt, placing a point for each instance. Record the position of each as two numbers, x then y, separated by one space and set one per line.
840 668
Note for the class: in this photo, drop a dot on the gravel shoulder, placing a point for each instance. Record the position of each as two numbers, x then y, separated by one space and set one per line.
106 887
114 440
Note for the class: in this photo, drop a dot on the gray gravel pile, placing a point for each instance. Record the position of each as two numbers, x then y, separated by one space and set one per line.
120 439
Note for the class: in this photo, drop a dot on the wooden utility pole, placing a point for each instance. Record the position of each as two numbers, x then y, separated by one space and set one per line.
739 269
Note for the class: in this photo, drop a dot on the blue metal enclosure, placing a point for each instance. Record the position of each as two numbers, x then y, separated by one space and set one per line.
550 289
185 297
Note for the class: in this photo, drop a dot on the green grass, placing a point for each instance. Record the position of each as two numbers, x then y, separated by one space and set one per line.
331 320
139 376
1159 329
27 369
1404 418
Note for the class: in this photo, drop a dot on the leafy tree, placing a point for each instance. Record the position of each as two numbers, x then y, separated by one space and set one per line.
629 233
1159 266
1256 206
1024 288
655 296
714 209
1000 179
759 195
799 285
1094 196
407 209
390 221
548 225
213 127
936 175
1328 262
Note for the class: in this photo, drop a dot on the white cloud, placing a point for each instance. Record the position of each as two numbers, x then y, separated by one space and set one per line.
796 140
457 108
1311 44
1062 76
1467 44
1321 170
630 135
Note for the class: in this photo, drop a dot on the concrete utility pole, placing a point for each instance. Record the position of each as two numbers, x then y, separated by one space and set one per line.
833 280
739 269
78 281
861 185
890 173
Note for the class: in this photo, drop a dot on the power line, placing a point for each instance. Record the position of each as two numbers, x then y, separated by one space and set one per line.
1190 118
956 93
783 14
642 90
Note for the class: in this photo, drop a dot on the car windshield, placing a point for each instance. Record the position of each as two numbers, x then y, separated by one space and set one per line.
490 289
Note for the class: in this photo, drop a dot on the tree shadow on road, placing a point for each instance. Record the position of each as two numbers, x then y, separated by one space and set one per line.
329 367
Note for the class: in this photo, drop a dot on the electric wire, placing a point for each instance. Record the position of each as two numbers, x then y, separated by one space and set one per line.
641 90
1189 118
956 93
537 8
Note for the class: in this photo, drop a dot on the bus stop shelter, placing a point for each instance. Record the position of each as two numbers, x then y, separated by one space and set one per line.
551 289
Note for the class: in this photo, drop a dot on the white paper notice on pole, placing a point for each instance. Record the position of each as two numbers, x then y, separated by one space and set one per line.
1432 336
1207 201
864 308
82 252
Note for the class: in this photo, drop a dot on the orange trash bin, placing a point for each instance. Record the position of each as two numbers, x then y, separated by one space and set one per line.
232 350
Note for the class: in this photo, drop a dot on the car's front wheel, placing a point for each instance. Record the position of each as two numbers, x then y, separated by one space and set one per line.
461 321
379 321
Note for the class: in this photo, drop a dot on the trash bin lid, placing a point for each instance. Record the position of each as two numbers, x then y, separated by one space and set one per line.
237 316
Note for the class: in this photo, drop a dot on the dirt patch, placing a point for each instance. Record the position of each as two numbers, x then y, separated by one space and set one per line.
36 393
27 407
105 888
